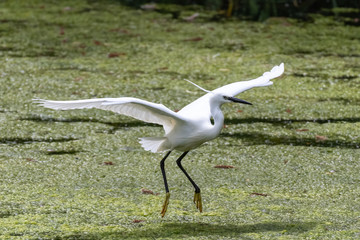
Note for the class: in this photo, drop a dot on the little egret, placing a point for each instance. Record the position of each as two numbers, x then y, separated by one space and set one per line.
184 130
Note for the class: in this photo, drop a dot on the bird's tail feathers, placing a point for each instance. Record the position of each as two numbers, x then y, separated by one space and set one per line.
154 144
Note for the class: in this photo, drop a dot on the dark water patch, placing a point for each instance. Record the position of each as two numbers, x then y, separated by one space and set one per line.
201 230
40 118
227 46
16 23
61 152
205 229
311 75
29 140
6 48
280 121
341 55
35 54
5 214
346 77
343 101
319 53
4 110
12 21
352 22
325 76
157 88
127 125
300 52
265 139
17 234
71 68
115 126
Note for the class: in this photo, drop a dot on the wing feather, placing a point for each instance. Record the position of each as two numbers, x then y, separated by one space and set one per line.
234 89
132 107
200 108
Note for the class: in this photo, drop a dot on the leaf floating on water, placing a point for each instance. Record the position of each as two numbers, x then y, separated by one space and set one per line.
116 54
224 166
138 221
109 163
288 110
302 130
162 69
147 191
98 43
30 159
195 39
259 194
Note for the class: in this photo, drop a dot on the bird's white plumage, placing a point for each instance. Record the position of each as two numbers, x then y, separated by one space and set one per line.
234 89
132 107
200 108
184 130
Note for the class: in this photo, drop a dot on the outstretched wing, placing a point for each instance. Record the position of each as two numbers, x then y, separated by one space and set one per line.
200 108
133 107
234 89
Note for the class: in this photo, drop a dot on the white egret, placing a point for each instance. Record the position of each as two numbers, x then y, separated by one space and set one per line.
184 130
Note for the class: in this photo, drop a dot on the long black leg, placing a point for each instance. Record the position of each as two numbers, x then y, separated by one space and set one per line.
197 189
167 196
197 196
162 166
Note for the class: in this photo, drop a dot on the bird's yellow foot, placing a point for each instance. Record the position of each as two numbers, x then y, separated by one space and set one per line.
165 205
197 201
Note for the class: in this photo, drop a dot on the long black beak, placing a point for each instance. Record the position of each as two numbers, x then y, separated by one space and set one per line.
237 100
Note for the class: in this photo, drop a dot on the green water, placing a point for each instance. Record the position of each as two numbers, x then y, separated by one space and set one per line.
296 147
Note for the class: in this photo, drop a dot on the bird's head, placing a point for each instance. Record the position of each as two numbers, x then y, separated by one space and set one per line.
220 98
236 100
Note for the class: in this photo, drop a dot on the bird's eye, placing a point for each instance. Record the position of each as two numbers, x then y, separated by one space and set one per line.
226 98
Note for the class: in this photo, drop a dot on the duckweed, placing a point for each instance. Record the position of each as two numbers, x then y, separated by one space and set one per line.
294 152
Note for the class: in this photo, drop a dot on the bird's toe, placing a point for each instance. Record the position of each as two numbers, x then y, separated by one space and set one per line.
197 201
165 205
